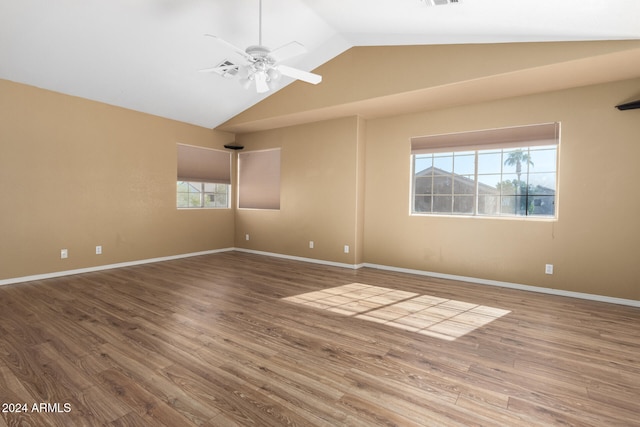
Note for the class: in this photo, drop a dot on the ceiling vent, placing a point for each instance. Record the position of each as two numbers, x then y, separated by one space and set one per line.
226 69
440 2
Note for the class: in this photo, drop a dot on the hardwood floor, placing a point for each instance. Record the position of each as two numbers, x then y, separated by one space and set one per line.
226 339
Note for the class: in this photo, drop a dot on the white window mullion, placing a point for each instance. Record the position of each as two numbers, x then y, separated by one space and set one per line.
476 191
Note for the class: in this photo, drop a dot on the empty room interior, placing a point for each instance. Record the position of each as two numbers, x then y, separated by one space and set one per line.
402 213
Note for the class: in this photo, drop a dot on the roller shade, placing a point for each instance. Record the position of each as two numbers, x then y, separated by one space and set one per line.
199 164
511 137
259 179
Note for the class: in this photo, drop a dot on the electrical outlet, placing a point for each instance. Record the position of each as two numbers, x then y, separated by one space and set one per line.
311 244
346 249
98 250
64 254
246 236
548 269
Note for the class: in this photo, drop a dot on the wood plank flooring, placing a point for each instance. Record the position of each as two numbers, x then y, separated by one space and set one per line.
224 340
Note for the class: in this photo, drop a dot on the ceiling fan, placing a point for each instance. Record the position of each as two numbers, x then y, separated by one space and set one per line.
262 65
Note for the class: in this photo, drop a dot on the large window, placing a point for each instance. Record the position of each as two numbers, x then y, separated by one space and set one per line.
497 172
204 177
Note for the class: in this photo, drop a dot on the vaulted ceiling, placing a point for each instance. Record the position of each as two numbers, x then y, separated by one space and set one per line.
145 54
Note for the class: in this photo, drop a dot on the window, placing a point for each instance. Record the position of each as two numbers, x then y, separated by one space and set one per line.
202 195
497 172
259 179
204 177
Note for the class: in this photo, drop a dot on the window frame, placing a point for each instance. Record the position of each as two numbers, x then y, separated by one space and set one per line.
203 166
544 137
202 193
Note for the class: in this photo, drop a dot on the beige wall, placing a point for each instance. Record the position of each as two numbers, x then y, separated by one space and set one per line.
75 174
595 243
319 193
378 81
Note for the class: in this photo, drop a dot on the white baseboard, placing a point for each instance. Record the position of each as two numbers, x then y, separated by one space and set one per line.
107 267
538 289
297 258
475 280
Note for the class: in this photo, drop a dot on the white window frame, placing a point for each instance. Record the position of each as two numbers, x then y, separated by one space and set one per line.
202 194
536 139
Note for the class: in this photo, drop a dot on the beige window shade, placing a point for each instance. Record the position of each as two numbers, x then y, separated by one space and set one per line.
512 137
259 179
200 164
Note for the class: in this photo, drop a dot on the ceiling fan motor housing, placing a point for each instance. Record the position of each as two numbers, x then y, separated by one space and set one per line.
258 52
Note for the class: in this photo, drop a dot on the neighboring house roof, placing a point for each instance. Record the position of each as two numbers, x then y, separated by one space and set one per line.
485 189
458 179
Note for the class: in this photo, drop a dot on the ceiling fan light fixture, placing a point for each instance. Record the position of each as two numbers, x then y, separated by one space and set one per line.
263 66
260 78
274 74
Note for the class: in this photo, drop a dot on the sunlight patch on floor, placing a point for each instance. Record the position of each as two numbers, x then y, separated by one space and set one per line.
424 314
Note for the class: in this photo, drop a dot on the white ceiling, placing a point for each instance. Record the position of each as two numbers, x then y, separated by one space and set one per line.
145 54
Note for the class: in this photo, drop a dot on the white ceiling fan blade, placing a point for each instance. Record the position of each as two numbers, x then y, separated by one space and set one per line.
232 47
300 75
287 51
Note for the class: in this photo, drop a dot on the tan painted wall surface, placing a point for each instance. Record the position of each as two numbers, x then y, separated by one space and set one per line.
75 174
368 78
595 243
318 198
